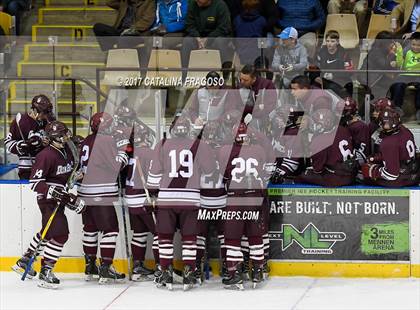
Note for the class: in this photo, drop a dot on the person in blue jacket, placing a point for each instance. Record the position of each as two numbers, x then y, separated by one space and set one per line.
170 17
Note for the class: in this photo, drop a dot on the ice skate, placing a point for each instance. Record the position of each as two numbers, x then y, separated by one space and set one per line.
164 278
47 279
245 269
199 274
189 278
21 266
178 276
108 274
257 276
91 269
141 273
234 282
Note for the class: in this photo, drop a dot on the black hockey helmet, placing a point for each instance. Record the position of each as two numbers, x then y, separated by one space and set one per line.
140 135
42 104
180 126
125 115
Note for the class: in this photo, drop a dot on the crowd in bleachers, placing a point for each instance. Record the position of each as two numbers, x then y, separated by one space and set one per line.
292 31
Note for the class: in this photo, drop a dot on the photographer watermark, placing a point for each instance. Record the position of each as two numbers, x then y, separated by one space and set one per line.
219 214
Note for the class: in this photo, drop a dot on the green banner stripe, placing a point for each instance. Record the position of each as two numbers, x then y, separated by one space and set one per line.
338 192
385 238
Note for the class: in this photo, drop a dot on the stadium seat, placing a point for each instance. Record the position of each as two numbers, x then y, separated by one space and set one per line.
121 58
204 59
346 26
7 22
163 58
377 24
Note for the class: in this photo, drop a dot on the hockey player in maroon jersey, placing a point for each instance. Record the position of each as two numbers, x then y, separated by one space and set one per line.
359 130
101 164
140 210
284 125
332 153
50 173
25 138
377 107
375 130
243 164
175 170
212 198
395 165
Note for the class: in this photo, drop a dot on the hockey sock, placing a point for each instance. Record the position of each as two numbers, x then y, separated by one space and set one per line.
266 241
189 250
222 247
256 251
138 245
90 242
155 248
107 246
201 247
166 250
234 255
53 250
33 245
245 245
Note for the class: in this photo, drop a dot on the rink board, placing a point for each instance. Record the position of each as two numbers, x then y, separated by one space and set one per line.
20 218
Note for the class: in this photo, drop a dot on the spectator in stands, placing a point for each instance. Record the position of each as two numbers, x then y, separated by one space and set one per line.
135 17
247 25
16 9
257 96
307 16
409 60
170 17
379 57
332 56
407 14
290 57
265 8
358 7
208 23
2 39
384 7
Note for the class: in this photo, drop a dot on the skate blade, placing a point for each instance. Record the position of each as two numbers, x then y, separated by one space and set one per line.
177 278
51 286
19 270
169 286
105 281
187 287
266 276
235 287
91 277
142 278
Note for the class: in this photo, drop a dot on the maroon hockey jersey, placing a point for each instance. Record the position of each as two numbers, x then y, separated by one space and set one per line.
52 167
98 160
135 195
243 167
29 127
395 150
331 158
176 170
361 140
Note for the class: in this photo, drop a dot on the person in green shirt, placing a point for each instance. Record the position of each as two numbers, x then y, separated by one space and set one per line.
206 26
409 60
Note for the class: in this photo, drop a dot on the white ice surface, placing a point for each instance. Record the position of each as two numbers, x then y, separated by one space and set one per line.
296 293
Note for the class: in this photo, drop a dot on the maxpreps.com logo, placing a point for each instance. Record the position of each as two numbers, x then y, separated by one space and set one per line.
310 239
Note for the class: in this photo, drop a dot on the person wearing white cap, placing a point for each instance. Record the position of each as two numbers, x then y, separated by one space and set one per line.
290 57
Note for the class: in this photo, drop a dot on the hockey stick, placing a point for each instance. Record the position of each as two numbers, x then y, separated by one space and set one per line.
69 185
146 190
44 233
127 247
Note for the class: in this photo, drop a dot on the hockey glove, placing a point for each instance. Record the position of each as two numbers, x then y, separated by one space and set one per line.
59 195
375 159
76 204
122 158
371 171
22 147
277 176
35 143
